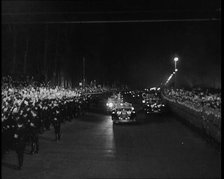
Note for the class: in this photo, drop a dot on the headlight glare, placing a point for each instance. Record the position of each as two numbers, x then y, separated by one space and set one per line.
110 105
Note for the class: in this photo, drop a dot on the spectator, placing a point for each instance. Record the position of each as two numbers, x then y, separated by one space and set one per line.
206 101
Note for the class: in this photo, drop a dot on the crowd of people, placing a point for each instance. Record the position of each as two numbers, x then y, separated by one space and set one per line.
29 109
196 99
204 101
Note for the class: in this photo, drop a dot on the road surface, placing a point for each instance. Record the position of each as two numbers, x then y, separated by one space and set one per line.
92 147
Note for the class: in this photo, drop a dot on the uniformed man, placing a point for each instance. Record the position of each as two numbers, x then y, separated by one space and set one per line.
8 127
34 138
69 110
47 113
20 142
76 109
56 120
32 125
39 117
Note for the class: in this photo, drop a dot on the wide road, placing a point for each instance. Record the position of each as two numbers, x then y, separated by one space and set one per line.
92 147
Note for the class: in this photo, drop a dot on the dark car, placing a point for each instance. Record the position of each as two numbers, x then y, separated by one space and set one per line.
123 113
155 107
114 101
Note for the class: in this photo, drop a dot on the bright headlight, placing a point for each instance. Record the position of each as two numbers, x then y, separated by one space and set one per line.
110 105
143 101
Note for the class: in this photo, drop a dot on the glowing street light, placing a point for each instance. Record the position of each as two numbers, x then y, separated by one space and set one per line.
176 59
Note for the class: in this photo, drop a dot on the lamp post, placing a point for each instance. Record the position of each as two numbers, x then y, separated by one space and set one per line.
175 71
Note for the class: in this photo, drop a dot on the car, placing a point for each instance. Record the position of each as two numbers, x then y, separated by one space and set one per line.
123 113
113 101
155 107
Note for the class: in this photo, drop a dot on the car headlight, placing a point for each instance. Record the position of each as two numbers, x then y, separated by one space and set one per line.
143 101
110 105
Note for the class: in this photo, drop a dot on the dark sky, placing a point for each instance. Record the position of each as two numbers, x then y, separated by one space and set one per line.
138 54
142 53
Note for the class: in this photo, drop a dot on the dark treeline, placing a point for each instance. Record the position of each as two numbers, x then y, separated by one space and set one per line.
135 54
47 52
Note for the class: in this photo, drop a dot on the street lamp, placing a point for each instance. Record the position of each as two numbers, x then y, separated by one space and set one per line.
175 61
175 70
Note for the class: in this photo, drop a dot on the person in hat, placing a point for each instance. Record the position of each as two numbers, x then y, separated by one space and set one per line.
33 130
56 120
46 114
39 117
20 142
8 127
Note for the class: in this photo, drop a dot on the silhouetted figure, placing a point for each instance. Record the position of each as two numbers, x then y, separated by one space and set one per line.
20 143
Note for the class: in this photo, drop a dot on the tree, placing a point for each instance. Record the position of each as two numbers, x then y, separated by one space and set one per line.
45 53
13 29
25 55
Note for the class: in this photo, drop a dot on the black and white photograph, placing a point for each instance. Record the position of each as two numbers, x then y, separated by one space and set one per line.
110 89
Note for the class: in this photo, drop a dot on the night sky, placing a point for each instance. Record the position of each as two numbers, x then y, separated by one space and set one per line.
137 54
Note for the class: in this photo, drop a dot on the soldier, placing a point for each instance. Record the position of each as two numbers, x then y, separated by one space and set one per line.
89 100
20 142
56 121
69 109
40 121
62 112
34 126
79 108
8 127
46 114
74 108
8 124
34 139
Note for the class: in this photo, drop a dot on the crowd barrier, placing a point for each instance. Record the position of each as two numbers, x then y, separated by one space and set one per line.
206 123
